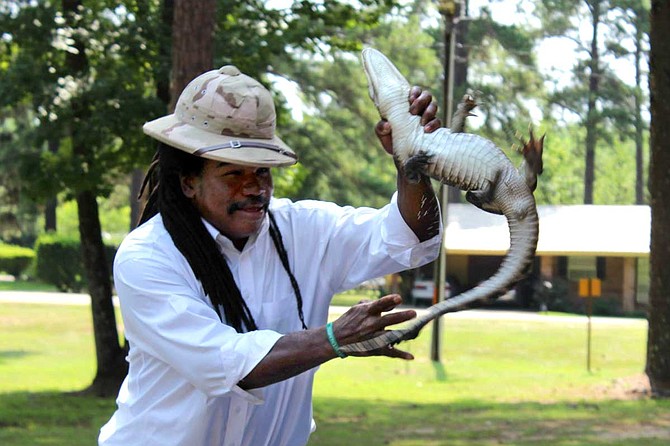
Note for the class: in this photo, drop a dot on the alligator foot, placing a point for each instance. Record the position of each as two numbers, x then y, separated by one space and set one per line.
416 165
482 198
463 111
532 165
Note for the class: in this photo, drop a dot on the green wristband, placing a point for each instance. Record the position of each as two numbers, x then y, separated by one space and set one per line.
333 341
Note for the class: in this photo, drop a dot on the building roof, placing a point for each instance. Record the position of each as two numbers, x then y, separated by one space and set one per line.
565 230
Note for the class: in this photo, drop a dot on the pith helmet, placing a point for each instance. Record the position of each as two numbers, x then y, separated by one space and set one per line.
226 116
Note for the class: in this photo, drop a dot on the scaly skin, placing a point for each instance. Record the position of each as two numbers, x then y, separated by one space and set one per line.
466 161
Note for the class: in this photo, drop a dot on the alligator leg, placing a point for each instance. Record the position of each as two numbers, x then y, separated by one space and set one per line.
415 166
531 166
463 111
482 198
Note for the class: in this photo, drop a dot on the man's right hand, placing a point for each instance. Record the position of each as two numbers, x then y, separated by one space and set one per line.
366 320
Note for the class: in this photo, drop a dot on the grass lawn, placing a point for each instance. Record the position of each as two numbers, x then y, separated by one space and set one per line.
514 382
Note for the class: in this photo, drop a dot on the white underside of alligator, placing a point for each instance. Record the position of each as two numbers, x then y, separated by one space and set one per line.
469 162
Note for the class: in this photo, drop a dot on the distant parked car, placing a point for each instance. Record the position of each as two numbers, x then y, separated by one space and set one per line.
422 291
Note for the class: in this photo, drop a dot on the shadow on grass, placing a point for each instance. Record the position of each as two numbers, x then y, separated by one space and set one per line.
7 355
440 371
364 422
52 418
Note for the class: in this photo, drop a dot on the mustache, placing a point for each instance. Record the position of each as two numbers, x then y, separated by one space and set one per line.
251 201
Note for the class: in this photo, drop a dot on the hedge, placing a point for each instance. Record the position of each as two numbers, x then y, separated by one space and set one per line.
59 262
14 259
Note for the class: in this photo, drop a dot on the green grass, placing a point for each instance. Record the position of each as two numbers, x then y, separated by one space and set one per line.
353 297
499 382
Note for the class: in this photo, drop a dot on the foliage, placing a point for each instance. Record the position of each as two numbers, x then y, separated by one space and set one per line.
503 74
114 216
110 92
17 210
59 262
596 96
15 260
339 152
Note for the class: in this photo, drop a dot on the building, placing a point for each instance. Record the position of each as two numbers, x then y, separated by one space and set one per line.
610 242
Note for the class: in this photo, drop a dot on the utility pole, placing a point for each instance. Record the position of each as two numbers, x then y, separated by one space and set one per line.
448 11
452 11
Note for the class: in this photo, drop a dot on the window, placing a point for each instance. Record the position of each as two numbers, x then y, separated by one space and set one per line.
582 267
642 282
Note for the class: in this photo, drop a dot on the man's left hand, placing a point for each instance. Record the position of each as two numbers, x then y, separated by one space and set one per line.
421 104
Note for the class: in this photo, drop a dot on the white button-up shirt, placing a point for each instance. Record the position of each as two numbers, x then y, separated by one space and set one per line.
185 364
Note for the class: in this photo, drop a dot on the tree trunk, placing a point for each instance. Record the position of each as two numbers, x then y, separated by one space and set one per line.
592 119
112 366
658 343
52 203
50 214
192 43
110 356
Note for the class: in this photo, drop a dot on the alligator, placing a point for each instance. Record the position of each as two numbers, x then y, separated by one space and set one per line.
468 162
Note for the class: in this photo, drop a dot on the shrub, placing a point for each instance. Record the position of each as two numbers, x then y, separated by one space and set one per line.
14 259
59 262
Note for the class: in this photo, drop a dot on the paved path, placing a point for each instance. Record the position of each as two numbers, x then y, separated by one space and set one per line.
38 297
41 297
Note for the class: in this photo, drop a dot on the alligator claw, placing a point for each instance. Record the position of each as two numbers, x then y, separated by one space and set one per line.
532 165
415 166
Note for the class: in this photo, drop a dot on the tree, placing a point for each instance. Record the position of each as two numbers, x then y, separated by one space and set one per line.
598 97
92 72
503 70
83 74
658 344
634 27
342 160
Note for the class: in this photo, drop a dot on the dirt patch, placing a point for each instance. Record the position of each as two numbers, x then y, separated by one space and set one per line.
632 387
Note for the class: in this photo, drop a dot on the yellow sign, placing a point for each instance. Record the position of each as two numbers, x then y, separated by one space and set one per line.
590 287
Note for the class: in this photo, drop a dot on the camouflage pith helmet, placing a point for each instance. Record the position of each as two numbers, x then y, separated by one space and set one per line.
226 116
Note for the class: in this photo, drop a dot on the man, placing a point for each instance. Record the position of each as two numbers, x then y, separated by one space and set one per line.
224 290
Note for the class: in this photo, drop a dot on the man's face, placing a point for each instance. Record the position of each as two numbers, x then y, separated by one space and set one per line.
232 197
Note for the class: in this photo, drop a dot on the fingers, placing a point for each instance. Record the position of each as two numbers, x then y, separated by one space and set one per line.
414 93
365 319
383 132
390 351
422 104
386 303
397 317
393 352
429 120
419 105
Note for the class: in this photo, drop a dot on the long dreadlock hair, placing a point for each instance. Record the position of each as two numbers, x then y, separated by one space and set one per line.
189 234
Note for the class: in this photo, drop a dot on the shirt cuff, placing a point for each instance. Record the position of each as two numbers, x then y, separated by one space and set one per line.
255 346
402 244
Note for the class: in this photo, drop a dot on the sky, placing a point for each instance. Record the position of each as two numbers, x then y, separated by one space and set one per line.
554 55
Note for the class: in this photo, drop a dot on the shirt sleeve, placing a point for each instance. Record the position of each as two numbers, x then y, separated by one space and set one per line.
166 315
366 243
401 242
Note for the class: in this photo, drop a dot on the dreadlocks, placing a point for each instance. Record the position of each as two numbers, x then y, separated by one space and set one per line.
190 236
